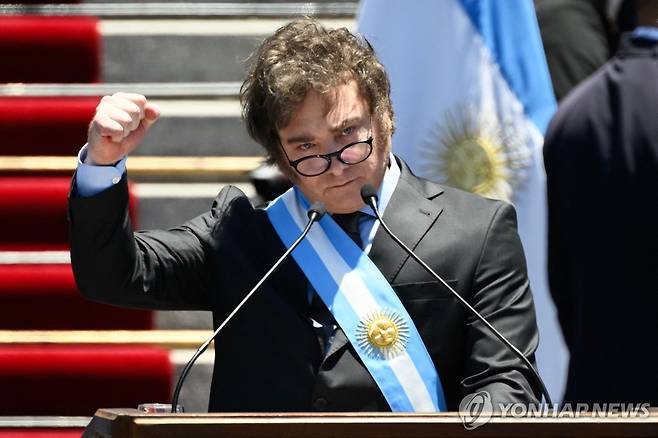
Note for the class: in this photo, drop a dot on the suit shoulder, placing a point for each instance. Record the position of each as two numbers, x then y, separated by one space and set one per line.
473 217
229 197
464 207
233 212
472 205
230 208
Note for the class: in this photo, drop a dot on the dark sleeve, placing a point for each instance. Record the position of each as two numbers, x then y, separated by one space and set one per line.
559 139
170 269
502 295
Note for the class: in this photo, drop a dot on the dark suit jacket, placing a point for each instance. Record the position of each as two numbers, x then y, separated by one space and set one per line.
601 157
268 358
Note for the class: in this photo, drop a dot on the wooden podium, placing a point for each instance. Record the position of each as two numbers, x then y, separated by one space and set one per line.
130 423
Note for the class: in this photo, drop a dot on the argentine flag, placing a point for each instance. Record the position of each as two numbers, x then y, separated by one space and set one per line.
472 98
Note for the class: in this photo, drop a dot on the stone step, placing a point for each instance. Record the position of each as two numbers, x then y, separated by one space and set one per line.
166 205
228 3
183 320
198 91
195 393
187 50
199 128
198 119
187 8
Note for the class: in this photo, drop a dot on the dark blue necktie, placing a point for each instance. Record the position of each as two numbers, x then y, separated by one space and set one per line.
350 224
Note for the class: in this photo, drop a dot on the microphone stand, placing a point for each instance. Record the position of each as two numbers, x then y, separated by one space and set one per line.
315 213
369 196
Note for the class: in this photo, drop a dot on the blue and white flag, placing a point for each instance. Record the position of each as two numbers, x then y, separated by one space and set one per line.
472 98
364 305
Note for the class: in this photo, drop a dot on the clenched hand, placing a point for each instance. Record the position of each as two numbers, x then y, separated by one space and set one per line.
118 127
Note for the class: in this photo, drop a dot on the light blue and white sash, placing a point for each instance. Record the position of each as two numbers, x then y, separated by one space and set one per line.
364 305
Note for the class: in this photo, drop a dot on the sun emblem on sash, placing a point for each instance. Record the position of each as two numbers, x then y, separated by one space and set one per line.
478 153
382 333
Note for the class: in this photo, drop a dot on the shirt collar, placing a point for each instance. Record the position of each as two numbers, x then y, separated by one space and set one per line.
646 32
386 188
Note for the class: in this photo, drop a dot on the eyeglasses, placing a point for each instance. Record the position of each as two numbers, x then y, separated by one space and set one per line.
314 165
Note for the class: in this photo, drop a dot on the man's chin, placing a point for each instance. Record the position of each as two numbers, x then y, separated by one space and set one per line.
345 198
344 207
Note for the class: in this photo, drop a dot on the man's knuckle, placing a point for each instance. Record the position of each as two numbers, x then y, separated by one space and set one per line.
133 111
123 117
139 99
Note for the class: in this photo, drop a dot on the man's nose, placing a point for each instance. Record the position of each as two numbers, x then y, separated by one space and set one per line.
337 167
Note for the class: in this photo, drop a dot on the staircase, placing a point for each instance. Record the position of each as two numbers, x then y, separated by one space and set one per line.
62 357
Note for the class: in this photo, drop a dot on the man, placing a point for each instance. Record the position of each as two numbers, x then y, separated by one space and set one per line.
601 158
318 101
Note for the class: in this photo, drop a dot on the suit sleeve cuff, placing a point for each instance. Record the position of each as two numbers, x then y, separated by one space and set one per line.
91 180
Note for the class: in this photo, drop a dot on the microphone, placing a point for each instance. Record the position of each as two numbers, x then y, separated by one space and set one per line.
369 196
314 213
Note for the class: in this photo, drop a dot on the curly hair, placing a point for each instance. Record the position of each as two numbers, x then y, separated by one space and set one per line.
301 56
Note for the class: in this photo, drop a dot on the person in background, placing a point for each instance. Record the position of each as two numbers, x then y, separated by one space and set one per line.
601 159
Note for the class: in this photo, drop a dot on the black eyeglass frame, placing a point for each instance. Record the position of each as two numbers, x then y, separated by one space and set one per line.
328 157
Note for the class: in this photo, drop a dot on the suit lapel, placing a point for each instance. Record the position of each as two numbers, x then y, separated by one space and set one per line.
409 214
338 342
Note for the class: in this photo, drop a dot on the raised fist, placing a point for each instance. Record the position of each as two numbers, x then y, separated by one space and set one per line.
118 127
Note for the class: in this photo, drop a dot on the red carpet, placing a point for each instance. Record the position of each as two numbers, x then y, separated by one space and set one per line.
45 297
49 49
45 125
34 213
77 380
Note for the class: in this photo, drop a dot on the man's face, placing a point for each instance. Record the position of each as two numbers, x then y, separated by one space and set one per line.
324 123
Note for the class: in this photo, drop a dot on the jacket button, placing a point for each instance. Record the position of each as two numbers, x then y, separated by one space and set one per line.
320 404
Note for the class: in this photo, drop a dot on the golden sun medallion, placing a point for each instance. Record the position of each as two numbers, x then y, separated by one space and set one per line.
382 334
